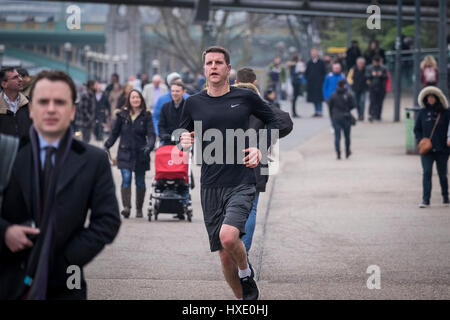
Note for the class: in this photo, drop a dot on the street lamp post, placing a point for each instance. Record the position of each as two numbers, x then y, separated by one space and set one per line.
87 57
155 66
125 61
2 50
95 65
116 60
101 61
67 50
107 58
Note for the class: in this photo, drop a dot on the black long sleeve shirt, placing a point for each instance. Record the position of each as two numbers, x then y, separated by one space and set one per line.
230 111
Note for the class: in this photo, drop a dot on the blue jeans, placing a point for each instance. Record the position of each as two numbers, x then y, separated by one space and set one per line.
360 98
441 159
318 107
344 125
139 178
250 225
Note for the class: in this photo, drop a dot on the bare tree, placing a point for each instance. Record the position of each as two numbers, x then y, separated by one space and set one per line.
186 41
294 31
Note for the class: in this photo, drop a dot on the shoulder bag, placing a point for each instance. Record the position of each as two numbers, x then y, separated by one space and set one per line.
424 146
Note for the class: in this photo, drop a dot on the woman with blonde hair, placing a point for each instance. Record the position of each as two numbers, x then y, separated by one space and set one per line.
429 71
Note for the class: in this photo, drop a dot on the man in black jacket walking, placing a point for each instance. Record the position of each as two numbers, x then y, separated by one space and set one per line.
341 102
170 116
315 74
356 78
85 114
376 75
55 181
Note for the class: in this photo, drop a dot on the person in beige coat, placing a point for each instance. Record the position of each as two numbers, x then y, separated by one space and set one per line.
153 91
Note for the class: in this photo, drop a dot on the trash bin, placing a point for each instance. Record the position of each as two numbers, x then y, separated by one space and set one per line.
410 120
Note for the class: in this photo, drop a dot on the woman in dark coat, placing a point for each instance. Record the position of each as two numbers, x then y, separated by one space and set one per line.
434 104
134 125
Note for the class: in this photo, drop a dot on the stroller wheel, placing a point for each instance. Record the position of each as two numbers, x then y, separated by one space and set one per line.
149 214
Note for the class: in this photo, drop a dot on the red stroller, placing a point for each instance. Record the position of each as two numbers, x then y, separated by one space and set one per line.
172 182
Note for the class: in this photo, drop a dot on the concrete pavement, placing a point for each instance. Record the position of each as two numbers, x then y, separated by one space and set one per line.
320 225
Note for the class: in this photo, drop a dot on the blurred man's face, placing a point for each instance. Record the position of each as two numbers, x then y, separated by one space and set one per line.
156 81
52 108
336 68
14 81
314 54
177 93
215 68
277 60
360 63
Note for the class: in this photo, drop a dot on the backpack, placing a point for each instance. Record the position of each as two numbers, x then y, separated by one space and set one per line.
284 120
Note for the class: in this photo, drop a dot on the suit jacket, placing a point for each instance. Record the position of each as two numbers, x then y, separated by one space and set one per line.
17 124
149 94
85 183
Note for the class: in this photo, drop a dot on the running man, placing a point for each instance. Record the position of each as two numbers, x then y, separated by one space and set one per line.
227 190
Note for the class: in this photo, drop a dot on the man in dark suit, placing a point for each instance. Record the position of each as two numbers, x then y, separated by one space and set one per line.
315 74
55 181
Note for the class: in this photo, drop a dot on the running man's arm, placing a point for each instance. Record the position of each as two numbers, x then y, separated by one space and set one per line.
186 123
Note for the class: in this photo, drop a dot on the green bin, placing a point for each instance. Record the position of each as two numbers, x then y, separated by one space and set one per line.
410 120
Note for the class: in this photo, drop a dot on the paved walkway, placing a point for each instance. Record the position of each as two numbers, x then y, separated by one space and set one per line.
320 225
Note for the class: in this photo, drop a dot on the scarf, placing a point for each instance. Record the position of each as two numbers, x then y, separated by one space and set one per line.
40 259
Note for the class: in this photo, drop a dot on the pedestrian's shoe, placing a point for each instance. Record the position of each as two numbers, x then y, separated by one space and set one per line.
249 288
338 155
347 153
140 195
446 202
126 201
424 204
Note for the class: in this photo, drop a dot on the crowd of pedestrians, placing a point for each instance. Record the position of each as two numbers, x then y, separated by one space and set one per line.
146 114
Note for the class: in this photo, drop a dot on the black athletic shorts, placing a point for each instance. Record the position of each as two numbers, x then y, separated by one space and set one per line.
226 205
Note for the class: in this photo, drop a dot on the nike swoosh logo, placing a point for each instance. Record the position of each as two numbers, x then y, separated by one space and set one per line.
234 105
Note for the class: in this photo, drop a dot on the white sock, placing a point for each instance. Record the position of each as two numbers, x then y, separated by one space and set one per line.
245 273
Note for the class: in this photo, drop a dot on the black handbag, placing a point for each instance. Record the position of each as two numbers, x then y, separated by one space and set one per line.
352 120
